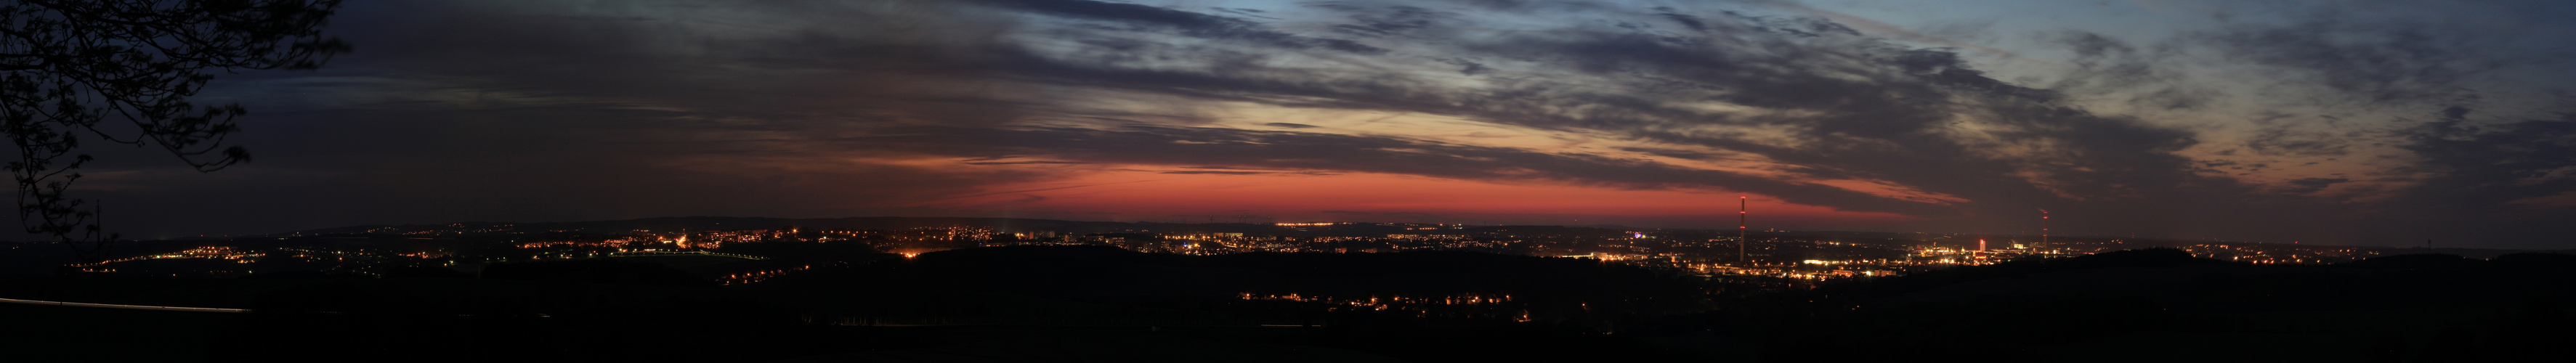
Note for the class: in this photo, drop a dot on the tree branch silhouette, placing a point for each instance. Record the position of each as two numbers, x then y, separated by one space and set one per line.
72 67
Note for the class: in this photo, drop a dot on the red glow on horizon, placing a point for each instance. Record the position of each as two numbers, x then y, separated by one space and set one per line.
1141 194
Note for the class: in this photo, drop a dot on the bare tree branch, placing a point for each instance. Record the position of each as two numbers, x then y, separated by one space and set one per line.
68 67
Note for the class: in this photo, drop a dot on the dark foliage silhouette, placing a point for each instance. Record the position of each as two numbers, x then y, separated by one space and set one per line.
122 71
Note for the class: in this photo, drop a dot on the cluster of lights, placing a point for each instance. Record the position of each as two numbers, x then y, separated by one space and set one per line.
215 252
1417 305
758 276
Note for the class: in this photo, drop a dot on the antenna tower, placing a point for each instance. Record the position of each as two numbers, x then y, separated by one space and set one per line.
1741 203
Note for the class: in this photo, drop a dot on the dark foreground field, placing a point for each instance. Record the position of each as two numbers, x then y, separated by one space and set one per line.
1096 304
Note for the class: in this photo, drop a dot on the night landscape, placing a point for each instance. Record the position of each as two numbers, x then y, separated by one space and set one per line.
1289 181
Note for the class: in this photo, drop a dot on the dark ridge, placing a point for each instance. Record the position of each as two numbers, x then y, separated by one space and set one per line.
595 271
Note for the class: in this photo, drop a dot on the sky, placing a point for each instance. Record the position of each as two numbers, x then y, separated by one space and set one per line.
2339 122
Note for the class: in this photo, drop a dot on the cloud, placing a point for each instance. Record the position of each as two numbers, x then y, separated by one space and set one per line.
2144 78
1384 22
1027 162
1467 67
551 111
1686 20
2312 185
2476 165
1884 110
1841 21
2373 62
1283 150
2283 141
1837 104
1187 23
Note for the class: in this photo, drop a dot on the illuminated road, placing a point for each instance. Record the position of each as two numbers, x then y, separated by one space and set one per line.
117 306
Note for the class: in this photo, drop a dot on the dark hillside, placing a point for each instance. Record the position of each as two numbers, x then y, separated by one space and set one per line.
2160 305
1543 288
